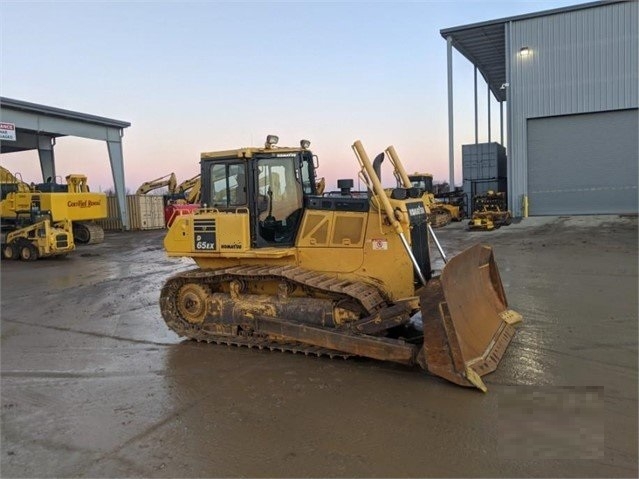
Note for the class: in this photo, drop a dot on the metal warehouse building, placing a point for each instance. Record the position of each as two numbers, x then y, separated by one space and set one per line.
569 79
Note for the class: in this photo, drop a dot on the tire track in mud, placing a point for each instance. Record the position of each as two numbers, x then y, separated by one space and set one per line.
523 347
106 283
88 333
78 375
174 414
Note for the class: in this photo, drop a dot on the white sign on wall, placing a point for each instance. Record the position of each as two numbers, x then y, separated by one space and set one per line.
7 131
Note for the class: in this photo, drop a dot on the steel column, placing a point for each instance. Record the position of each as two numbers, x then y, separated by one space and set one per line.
509 125
47 158
117 167
501 122
476 112
488 89
451 146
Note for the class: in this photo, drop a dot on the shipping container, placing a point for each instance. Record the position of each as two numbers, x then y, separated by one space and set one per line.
484 168
483 161
146 212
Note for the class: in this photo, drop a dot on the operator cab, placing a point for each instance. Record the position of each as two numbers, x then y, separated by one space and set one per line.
270 183
423 182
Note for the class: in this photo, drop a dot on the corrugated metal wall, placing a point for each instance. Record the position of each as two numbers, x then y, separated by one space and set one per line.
583 164
581 61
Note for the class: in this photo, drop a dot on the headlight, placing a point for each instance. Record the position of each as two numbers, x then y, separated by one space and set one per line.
272 140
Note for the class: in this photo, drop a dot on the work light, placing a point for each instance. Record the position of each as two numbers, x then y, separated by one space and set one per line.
272 140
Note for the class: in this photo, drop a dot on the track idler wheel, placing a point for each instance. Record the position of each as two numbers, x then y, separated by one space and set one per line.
81 234
191 302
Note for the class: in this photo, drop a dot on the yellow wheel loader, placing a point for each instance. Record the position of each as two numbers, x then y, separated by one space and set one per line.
32 235
26 232
282 267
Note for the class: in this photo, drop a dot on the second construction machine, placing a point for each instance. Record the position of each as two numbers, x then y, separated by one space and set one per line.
441 213
179 199
71 201
28 232
185 200
285 268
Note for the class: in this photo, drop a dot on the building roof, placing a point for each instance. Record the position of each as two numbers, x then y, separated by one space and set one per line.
26 106
484 43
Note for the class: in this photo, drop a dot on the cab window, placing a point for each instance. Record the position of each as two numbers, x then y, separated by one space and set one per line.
228 185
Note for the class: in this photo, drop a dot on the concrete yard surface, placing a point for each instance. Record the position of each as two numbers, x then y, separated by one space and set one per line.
93 384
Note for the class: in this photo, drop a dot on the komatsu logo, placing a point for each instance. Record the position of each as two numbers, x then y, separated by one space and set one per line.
417 210
83 204
231 246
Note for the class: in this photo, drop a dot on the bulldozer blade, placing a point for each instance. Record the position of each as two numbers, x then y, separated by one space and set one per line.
467 323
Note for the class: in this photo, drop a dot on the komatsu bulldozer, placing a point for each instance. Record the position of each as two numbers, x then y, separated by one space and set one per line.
282 267
441 213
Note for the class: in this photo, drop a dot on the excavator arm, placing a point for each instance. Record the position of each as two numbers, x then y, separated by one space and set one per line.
191 189
168 180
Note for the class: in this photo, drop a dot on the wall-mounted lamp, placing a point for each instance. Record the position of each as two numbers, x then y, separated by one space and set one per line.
524 52
504 86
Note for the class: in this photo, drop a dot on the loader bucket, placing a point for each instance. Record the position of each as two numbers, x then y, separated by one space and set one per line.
467 323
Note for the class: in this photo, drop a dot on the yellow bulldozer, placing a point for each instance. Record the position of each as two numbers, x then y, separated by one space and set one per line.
282 267
490 211
28 232
441 213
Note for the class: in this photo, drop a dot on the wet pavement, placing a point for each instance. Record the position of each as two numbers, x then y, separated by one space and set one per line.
93 384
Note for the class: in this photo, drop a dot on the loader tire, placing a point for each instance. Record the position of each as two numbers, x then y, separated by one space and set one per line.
28 251
10 251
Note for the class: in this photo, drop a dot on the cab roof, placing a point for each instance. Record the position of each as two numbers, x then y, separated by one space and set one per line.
248 152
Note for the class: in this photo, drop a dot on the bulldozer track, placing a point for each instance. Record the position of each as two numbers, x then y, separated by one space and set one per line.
264 344
439 217
88 233
313 283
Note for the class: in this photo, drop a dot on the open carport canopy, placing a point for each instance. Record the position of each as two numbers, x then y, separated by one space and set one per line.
32 120
36 126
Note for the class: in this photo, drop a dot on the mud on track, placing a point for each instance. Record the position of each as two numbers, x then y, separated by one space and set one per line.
94 384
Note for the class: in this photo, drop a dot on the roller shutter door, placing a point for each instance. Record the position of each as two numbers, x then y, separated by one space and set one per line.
583 164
